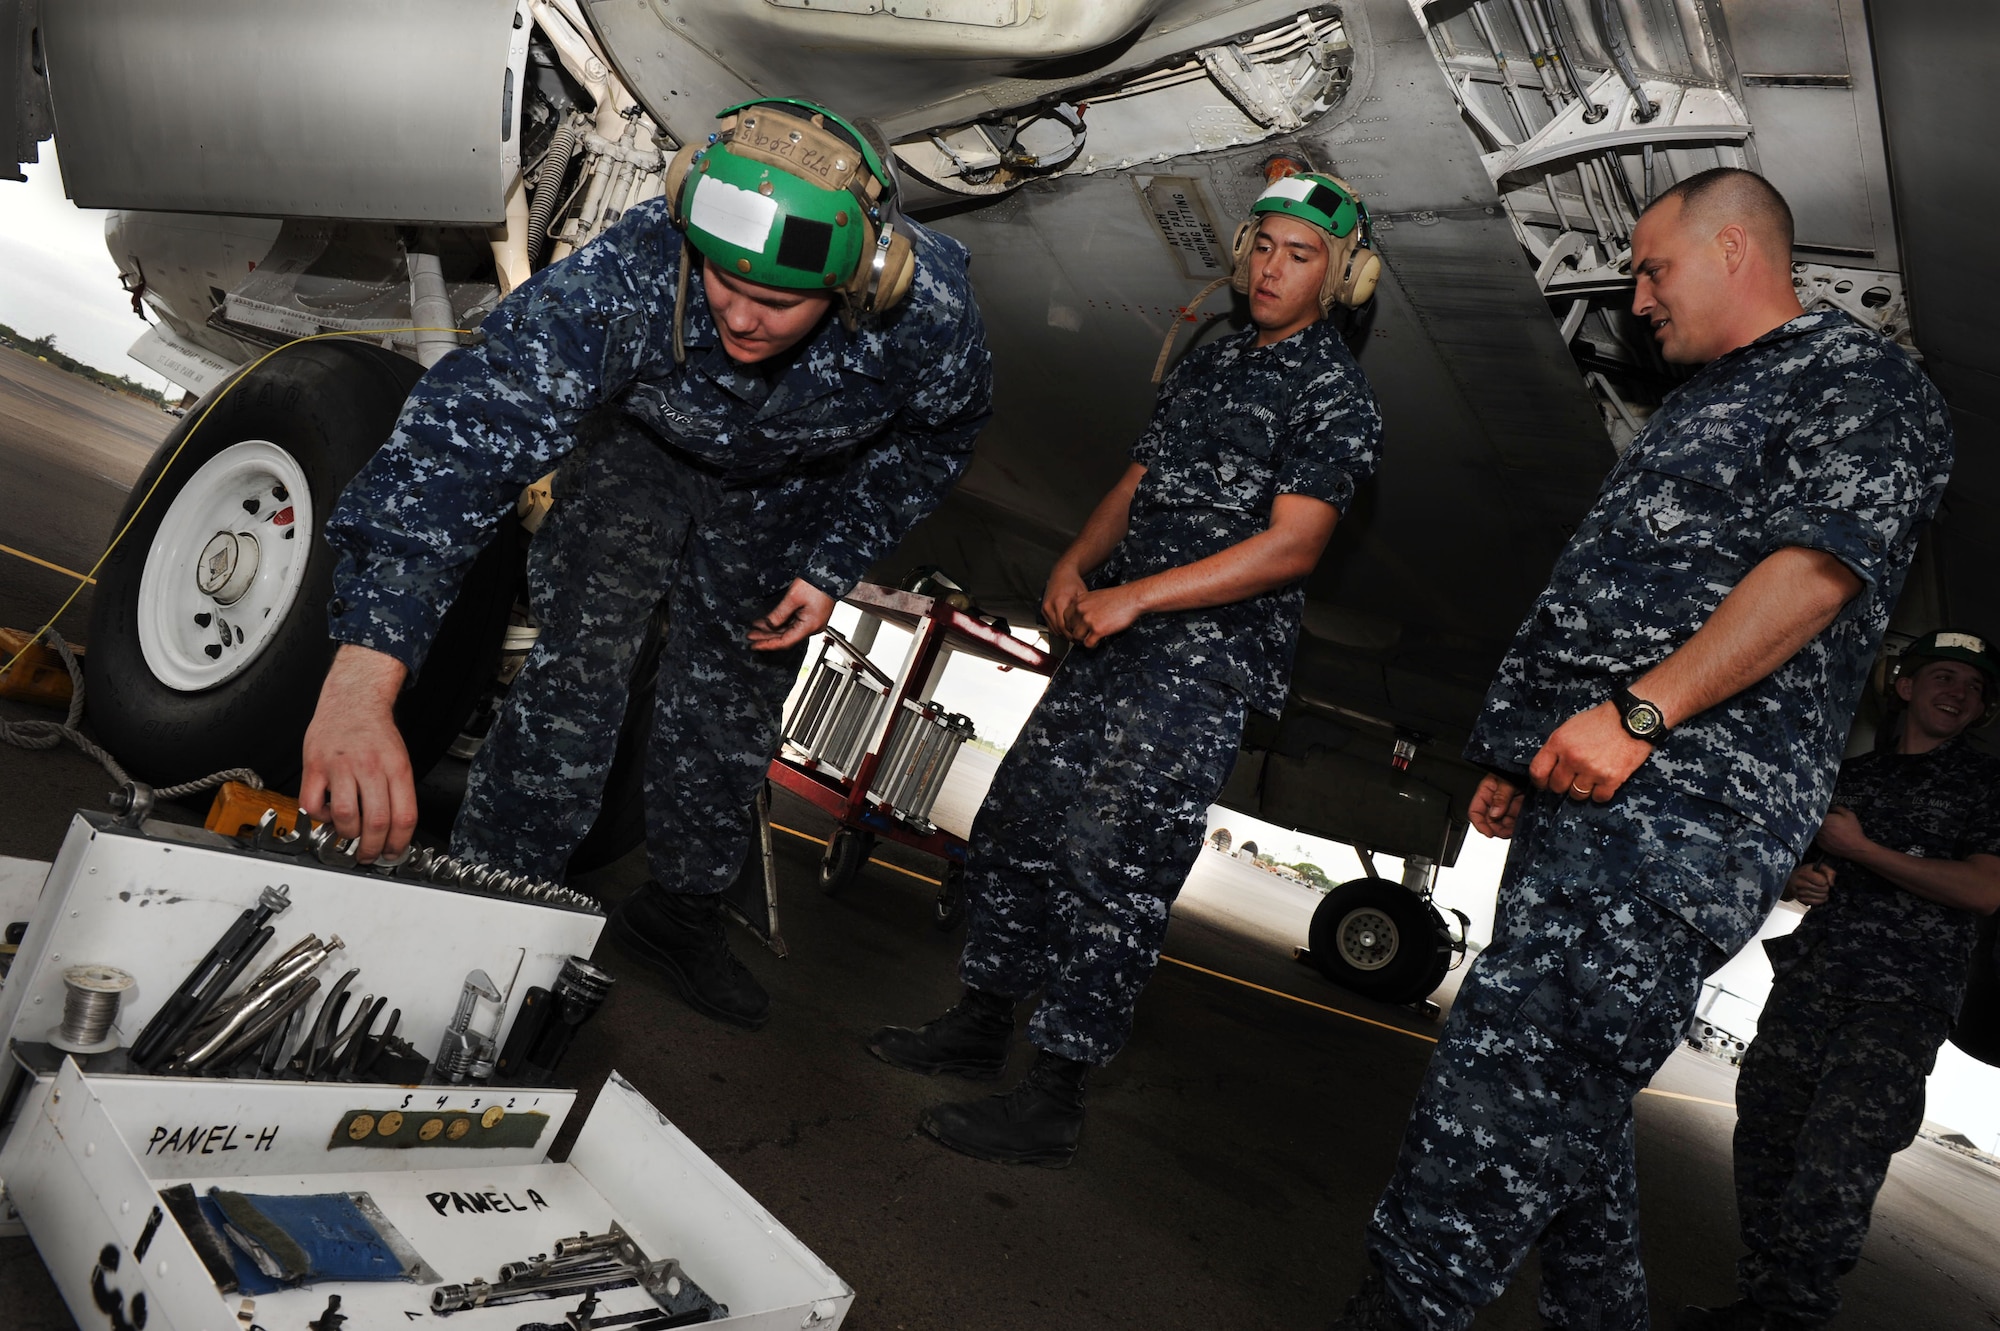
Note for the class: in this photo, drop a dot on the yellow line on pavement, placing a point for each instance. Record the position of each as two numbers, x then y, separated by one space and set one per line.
821 841
1279 993
1275 993
1691 1099
58 568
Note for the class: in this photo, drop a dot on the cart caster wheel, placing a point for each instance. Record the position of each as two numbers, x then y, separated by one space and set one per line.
845 854
948 908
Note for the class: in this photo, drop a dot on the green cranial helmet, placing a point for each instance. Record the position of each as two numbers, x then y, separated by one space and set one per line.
784 193
1324 201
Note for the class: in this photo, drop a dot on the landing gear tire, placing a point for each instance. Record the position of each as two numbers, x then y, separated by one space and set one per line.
1380 940
208 637
948 909
845 854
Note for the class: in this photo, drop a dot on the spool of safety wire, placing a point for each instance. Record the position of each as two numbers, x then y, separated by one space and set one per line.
91 995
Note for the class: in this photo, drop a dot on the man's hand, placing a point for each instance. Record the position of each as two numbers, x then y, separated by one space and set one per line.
1495 806
1810 884
802 613
1589 756
1095 616
357 772
1064 589
1840 834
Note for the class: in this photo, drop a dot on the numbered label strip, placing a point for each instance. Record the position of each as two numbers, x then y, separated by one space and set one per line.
490 1128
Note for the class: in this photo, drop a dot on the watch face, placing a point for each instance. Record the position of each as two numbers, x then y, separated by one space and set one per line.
1644 719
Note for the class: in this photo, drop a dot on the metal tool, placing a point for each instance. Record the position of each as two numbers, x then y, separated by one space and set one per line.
306 1061
350 1050
266 1027
246 1010
170 1022
465 1050
549 1019
589 1262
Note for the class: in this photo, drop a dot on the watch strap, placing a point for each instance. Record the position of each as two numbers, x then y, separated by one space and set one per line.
1628 703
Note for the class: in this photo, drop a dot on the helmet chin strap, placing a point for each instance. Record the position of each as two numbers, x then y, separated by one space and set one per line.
681 304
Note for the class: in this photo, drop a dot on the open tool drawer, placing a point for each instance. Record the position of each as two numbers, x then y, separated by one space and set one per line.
152 902
85 1172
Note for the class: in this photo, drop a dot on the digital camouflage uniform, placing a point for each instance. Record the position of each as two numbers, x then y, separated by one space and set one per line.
1097 812
1819 434
709 486
1866 990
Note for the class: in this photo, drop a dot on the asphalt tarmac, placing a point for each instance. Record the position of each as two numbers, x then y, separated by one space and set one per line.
1232 1152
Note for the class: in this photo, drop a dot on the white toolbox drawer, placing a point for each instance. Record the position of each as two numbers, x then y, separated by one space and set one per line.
81 1175
88 1143
153 903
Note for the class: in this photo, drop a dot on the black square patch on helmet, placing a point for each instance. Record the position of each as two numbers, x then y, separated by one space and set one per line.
804 244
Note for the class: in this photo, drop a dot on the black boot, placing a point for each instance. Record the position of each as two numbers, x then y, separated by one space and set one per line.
970 1039
680 935
1036 1123
1370 1309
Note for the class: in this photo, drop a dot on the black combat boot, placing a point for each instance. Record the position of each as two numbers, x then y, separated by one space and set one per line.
1036 1123
1370 1309
680 935
970 1039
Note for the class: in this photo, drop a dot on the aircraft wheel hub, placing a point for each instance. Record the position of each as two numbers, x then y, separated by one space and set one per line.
1369 939
226 565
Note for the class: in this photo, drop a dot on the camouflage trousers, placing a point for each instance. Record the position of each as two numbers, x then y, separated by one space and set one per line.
1087 833
635 529
1830 1089
1522 1134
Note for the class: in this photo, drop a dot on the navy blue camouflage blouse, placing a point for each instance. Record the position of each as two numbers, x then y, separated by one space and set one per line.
1872 941
1820 434
1237 425
895 405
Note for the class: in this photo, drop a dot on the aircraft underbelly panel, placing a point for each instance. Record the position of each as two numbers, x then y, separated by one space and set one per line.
367 109
1493 449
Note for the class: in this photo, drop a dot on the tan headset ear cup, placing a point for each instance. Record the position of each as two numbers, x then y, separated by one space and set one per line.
1239 255
677 172
1364 271
899 270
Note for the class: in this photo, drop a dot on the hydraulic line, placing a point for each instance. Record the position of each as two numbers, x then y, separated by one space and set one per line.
548 184
1618 41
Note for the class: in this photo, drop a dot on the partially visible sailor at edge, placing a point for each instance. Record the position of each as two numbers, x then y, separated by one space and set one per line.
1660 743
1195 561
1865 989
754 388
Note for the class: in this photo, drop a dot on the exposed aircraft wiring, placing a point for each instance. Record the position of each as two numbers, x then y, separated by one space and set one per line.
36 734
1618 41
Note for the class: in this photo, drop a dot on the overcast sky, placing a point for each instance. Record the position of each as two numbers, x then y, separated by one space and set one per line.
59 277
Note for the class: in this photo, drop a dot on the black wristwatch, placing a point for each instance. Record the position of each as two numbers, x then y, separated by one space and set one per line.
1641 719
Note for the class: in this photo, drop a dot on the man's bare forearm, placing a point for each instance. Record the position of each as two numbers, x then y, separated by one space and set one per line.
1279 555
1970 884
1780 606
1105 527
366 674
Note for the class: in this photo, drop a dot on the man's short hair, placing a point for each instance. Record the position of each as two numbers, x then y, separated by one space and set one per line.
1726 194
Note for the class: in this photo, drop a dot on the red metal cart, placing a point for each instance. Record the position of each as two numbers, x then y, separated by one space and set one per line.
872 750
